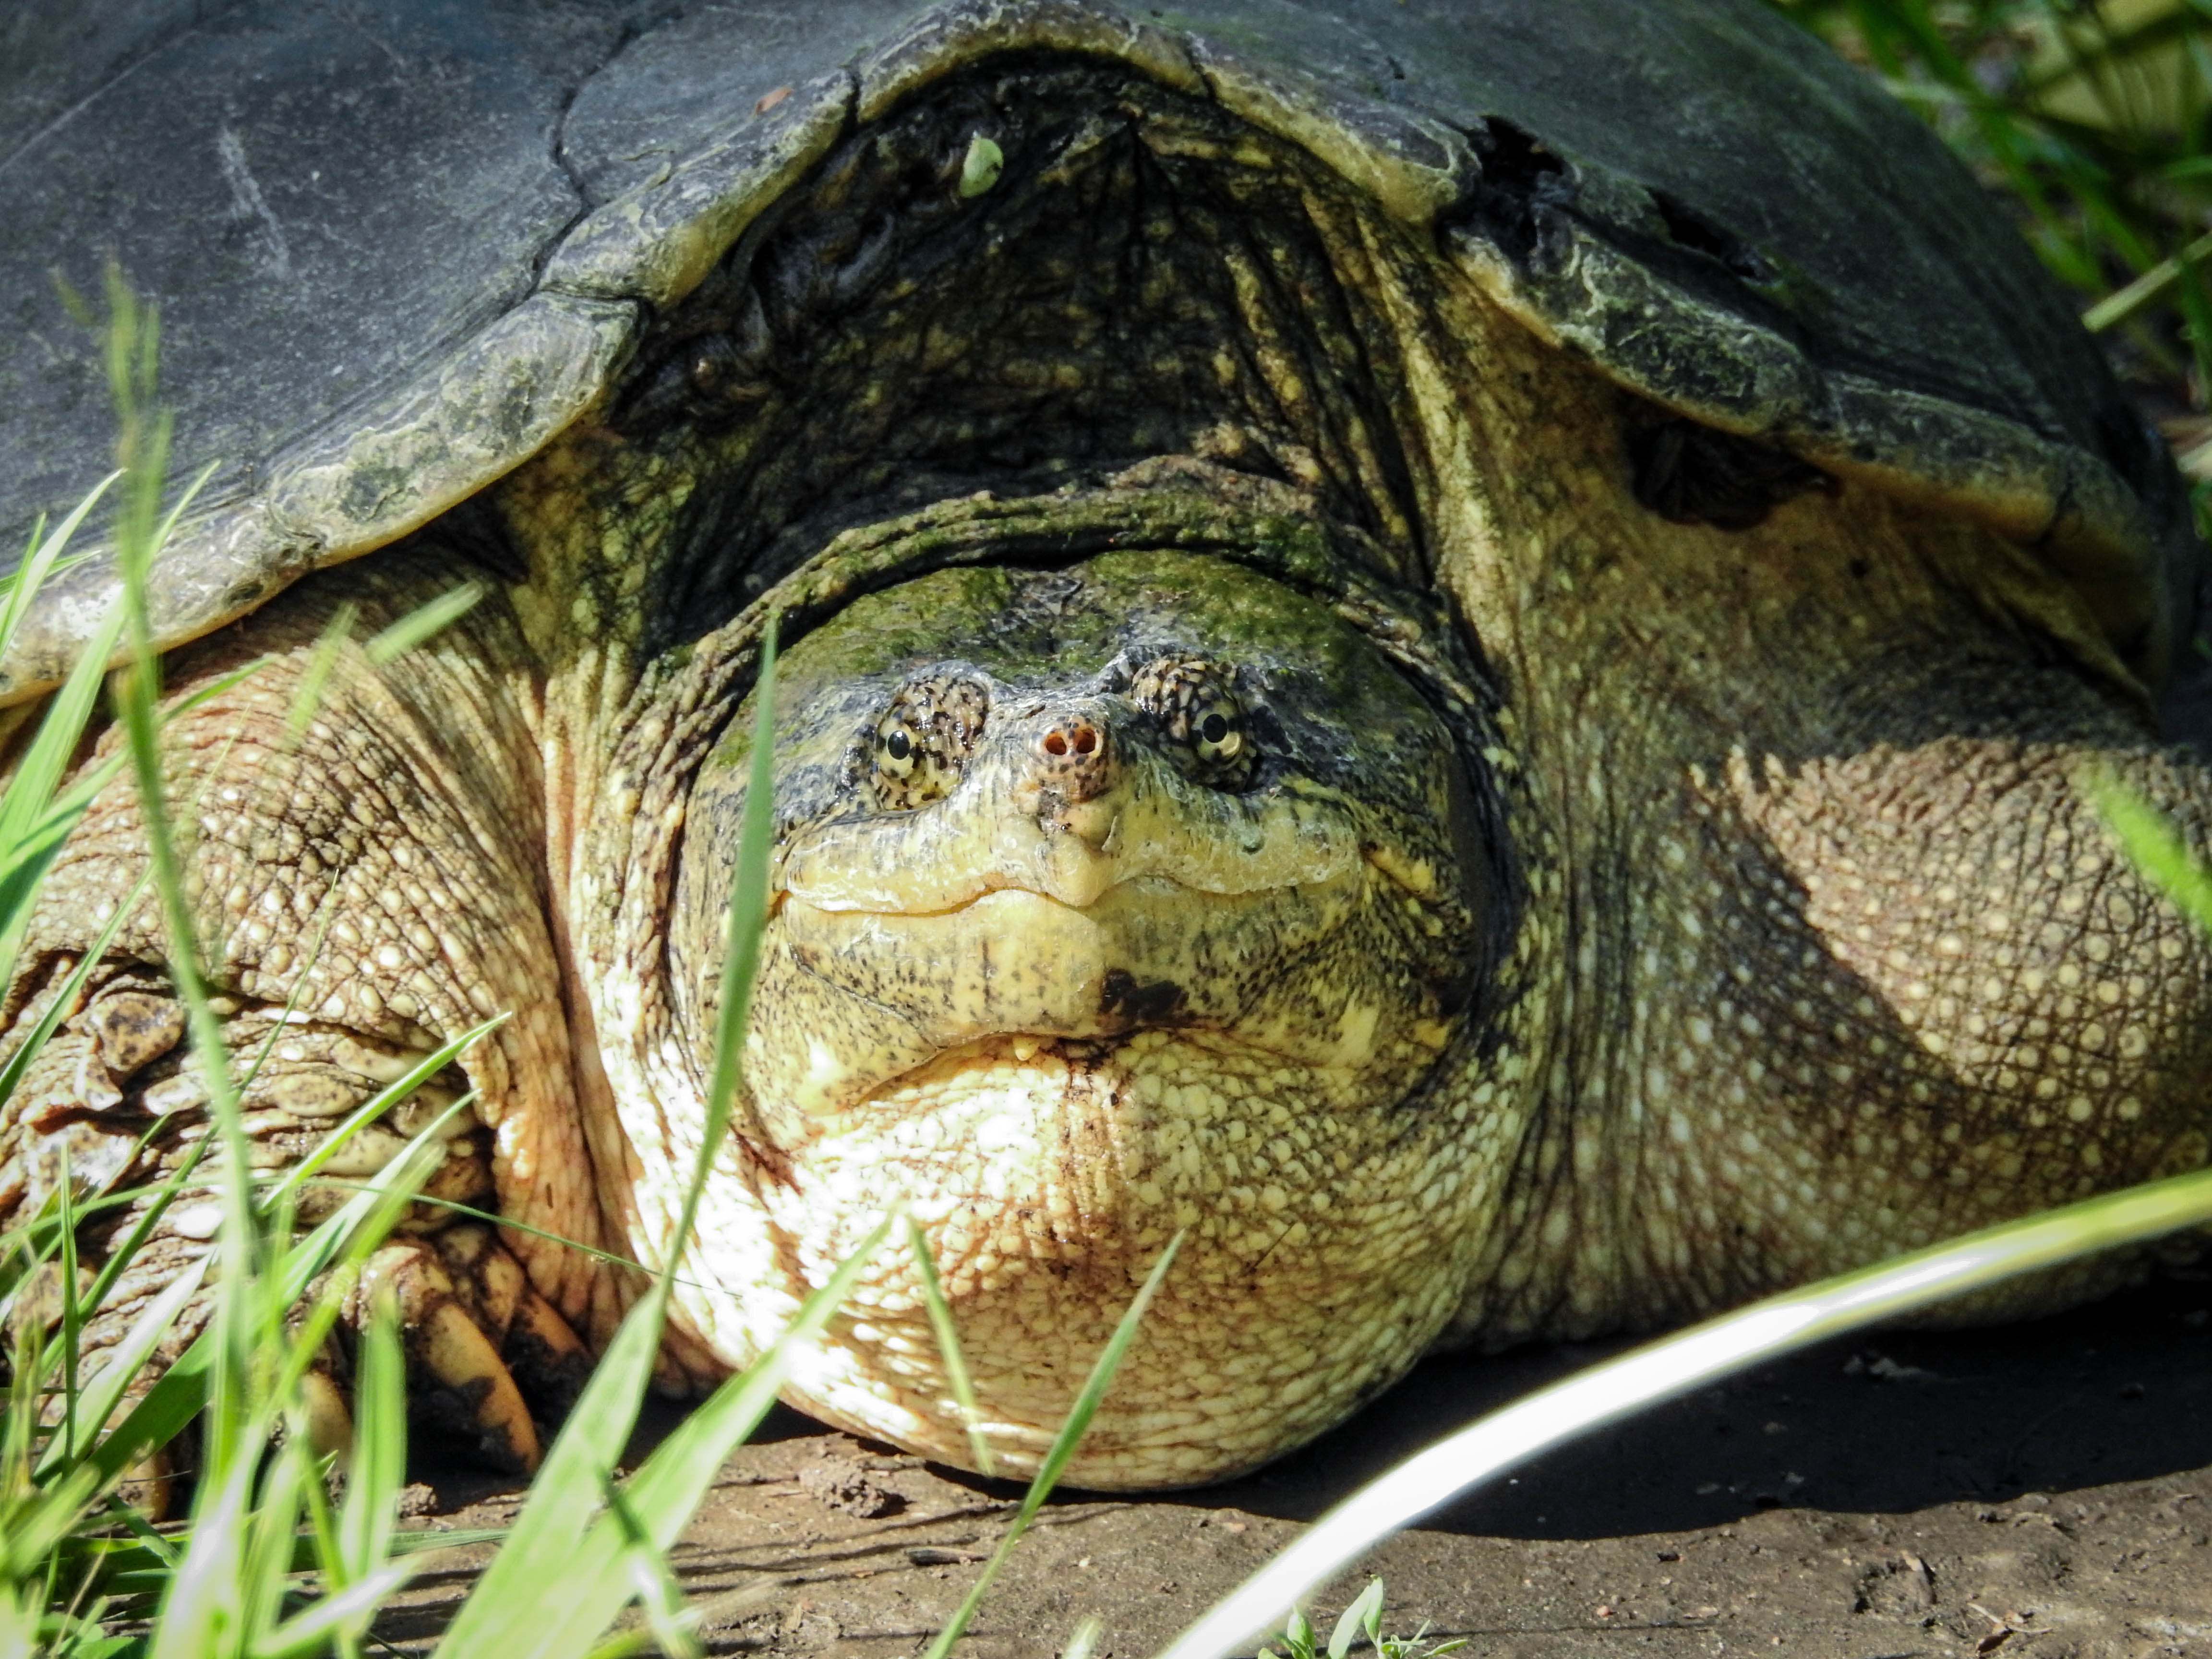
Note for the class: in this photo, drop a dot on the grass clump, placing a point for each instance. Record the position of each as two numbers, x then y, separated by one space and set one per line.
2093 123
1363 1618
74 1558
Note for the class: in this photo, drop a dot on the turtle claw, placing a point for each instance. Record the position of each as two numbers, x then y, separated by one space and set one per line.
487 1402
545 1356
328 1426
457 1327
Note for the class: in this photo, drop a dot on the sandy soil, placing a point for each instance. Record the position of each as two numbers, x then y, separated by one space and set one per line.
2041 1489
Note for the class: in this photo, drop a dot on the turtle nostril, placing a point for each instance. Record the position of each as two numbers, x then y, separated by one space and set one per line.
1074 746
1078 737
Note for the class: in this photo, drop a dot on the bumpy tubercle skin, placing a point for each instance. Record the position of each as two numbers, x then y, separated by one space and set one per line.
1813 947
1838 958
365 887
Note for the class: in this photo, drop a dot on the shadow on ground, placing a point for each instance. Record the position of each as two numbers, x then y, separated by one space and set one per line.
1890 1423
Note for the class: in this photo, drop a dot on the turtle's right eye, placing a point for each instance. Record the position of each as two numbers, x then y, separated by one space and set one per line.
924 738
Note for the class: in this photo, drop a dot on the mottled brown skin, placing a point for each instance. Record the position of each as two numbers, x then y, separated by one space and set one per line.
363 888
1773 928
1841 959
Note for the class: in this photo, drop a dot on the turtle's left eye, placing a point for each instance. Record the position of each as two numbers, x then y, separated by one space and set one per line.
1194 702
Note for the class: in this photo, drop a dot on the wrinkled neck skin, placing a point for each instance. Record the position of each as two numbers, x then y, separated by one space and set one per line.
1797 942
1845 962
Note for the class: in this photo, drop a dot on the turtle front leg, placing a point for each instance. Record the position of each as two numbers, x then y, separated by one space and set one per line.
364 889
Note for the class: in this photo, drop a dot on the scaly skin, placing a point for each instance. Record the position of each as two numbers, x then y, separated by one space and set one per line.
1839 959
363 890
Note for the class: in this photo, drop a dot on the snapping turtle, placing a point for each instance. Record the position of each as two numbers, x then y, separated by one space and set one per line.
1460 650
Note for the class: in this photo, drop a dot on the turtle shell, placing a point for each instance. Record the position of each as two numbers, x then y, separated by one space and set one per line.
397 247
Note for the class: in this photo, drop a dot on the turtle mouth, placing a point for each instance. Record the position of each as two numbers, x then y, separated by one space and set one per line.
1079 877
1031 973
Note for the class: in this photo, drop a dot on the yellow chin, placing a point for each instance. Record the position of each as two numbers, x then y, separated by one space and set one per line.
1324 1240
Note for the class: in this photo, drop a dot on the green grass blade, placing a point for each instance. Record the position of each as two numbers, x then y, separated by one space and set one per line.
385 1193
2158 851
522 1616
948 1345
1087 1402
1660 1371
307 694
2152 286
749 899
27 849
35 1531
378 1467
426 621
203 1609
376 1106
136 1525
72 1325
104 1393
39 772
182 1391
494 1218
1366 1610
434 1543
220 1599
652 1586
11 1073
496 1619
670 1483
273 1533
143 449
42 558
299 1349
325 1623
328 1557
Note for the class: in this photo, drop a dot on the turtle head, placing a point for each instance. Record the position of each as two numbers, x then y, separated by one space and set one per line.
1154 793
1109 903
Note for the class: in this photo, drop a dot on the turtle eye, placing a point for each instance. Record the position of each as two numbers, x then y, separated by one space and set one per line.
899 749
923 739
1194 703
1217 737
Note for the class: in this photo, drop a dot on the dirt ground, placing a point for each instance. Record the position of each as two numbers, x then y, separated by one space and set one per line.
2042 1490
